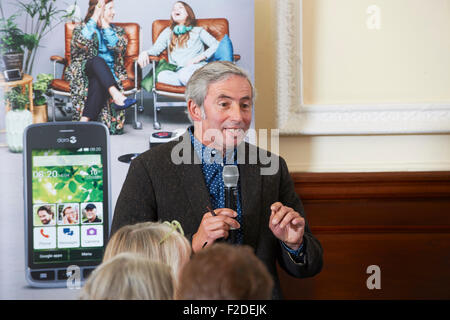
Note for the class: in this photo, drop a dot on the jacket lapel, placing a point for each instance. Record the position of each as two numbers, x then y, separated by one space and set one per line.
251 189
191 180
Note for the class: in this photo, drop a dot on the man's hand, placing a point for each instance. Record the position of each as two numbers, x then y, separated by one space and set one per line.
287 225
143 59
214 227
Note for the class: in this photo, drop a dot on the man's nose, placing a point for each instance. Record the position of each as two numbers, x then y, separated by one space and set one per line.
235 113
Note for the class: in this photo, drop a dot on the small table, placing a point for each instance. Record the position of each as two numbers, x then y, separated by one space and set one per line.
27 80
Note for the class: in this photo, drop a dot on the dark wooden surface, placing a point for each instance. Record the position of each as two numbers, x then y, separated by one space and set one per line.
397 221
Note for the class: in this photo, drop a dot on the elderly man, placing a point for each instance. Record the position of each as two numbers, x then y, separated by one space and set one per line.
182 180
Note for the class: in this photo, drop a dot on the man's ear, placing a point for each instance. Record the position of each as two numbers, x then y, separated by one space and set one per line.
194 110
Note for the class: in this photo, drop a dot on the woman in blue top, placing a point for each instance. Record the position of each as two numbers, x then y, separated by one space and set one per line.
97 67
185 43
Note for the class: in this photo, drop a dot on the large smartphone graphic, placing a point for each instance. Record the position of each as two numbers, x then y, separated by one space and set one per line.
67 210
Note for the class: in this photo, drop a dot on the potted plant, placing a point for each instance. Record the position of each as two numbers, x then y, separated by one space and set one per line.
17 119
42 17
40 94
12 40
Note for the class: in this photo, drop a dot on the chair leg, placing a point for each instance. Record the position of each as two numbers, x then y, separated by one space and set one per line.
53 108
141 107
136 124
156 124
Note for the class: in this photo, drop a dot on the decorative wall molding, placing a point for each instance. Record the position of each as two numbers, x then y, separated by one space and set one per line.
367 119
365 166
294 118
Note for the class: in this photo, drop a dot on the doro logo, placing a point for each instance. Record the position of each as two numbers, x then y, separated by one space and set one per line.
72 140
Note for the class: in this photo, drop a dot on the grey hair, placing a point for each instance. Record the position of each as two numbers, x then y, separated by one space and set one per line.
198 85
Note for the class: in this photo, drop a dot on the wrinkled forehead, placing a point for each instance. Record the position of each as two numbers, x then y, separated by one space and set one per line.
244 89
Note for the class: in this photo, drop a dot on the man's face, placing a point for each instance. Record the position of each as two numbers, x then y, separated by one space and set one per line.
228 113
44 216
70 215
91 214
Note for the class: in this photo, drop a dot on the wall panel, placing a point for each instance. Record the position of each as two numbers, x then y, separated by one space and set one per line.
397 221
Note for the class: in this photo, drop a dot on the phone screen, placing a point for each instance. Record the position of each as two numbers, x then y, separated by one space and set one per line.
69 218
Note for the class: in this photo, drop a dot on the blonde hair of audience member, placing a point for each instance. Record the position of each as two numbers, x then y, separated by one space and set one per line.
157 241
224 272
129 276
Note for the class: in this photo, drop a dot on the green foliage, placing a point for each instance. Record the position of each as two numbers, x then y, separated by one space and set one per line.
17 99
12 39
40 88
67 184
44 17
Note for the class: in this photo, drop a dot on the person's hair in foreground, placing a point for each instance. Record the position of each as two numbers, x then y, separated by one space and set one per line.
224 272
155 240
129 276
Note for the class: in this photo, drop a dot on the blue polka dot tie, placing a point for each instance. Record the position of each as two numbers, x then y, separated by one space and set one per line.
212 168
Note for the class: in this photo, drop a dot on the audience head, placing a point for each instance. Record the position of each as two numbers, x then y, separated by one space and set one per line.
129 276
155 240
224 272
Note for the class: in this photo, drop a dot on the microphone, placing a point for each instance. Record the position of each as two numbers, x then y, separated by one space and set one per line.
230 176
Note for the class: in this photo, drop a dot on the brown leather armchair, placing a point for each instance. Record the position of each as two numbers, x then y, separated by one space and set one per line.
217 27
131 86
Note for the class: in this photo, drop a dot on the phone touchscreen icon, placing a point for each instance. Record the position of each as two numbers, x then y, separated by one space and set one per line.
45 238
44 235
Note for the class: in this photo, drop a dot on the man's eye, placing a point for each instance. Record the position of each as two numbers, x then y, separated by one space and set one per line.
223 104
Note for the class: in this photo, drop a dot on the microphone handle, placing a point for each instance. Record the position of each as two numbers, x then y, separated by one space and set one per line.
230 202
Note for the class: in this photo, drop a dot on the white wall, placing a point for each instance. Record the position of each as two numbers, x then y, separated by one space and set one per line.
331 28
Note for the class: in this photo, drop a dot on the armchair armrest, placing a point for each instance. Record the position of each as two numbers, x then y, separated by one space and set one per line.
58 59
236 57
154 58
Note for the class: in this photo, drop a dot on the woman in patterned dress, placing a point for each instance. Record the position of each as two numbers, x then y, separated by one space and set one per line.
97 68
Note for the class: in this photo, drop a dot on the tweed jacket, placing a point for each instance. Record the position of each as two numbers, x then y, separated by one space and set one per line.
167 183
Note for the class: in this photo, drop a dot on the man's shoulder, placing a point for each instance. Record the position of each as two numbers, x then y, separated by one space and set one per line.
262 155
159 153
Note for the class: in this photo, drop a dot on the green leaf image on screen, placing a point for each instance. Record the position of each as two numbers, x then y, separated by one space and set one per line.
68 184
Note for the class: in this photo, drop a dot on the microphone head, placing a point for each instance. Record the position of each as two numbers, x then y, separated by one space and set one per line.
230 175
